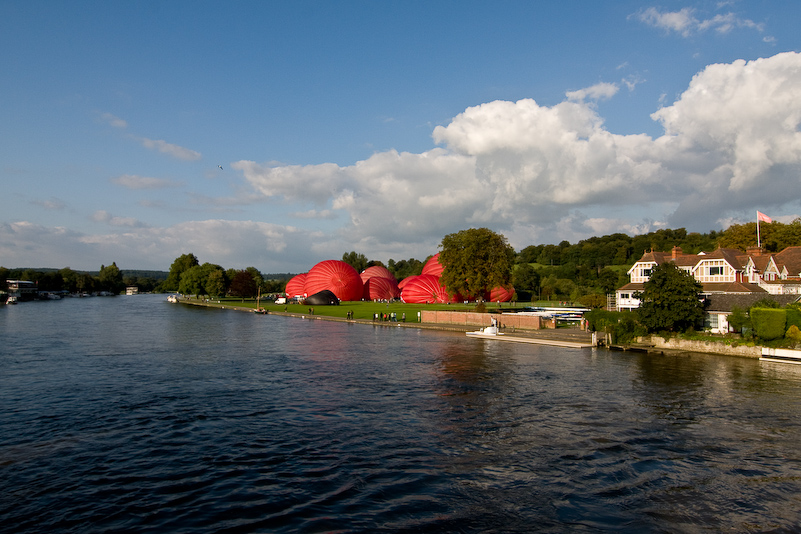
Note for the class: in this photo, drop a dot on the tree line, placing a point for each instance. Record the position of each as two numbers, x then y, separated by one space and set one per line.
583 271
108 278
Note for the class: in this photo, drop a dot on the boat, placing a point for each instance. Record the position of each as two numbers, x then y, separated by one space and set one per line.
11 300
259 310
172 298
490 331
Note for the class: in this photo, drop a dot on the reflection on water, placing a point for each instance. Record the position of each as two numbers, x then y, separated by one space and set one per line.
131 414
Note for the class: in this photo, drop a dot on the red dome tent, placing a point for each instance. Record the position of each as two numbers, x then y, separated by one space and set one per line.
406 280
376 271
379 288
296 286
433 266
337 277
425 289
500 294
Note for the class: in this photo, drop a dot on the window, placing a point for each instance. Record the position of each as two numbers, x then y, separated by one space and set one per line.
646 272
624 295
715 271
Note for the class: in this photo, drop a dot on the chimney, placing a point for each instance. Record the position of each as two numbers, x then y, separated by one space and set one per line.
676 252
755 251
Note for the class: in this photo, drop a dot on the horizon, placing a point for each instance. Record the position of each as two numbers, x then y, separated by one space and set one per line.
283 135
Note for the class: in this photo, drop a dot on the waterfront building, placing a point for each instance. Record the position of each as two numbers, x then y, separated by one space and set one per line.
729 277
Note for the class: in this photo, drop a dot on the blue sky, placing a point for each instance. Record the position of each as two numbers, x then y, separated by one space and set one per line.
380 127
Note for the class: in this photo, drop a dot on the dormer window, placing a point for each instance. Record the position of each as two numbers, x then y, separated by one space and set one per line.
715 271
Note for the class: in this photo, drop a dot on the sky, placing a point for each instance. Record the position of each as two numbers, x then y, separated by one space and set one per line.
280 134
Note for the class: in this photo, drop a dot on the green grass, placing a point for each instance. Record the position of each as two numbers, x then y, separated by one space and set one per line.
365 310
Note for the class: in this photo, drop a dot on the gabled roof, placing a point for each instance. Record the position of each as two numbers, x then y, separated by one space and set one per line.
791 258
733 257
732 287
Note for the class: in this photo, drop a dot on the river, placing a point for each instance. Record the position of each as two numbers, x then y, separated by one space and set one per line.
130 414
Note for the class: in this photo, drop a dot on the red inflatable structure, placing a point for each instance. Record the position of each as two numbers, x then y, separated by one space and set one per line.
433 266
376 271
425 289
500 294
380 288
337 277
296 286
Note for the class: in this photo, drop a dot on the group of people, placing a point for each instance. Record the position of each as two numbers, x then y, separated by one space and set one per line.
388 316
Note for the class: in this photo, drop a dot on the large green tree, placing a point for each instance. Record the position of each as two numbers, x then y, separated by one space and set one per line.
110 279
182 263
670 300
476 260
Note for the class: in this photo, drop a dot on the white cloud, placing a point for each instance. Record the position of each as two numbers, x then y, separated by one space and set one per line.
681 21
170 149
232 244
518 165
114 121
684 21
537 173
132 181
599 91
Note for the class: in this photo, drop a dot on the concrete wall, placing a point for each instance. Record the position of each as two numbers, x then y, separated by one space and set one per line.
707 346
518 322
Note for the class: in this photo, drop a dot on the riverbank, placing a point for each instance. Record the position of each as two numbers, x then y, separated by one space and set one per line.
566 337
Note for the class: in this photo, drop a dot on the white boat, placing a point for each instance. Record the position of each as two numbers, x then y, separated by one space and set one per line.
490 331
172 298
11 300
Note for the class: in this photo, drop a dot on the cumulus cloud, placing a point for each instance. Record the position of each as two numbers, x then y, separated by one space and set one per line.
538 173
170 149
523 167
133 181
685 23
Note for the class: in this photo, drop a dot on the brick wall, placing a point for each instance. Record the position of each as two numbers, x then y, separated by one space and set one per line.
508 321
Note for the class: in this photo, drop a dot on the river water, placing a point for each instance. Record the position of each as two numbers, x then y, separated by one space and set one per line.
130 414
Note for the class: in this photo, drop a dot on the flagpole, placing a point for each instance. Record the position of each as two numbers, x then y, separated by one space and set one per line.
759 243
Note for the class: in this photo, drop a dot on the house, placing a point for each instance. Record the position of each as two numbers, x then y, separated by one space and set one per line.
747 276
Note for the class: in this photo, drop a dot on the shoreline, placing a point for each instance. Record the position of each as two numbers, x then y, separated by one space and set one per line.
568 338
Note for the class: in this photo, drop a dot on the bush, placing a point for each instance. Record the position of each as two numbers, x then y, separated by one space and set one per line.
793 316
793 334
593 301
480 308
768 323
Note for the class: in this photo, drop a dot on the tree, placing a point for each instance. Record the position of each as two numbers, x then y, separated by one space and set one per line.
476 260
357 261
181 264
193 281
110 279
243 285
216 283
670 300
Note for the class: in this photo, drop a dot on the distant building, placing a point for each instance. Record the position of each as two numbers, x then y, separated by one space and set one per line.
743 277
131 290
22 289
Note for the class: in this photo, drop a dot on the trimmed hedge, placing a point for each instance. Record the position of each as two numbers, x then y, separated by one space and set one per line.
768 323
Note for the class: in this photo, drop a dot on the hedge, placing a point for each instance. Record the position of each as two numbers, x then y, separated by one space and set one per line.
768 323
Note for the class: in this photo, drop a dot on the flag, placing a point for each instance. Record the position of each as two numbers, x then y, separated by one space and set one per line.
764 218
